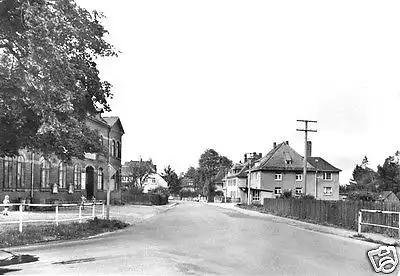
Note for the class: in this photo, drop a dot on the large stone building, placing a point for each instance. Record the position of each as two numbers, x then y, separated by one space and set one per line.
32 177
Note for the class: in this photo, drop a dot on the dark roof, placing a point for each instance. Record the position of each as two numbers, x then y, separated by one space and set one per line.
112 120
321 165
282 157
385 194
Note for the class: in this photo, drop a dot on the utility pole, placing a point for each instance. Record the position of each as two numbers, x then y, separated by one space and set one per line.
249 159
306 130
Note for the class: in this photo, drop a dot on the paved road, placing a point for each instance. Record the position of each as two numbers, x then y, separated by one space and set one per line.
199 239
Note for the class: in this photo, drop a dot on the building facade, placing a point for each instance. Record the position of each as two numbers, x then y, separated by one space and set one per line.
282 170
37 179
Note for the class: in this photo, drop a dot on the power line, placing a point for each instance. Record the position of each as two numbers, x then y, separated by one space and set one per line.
306 130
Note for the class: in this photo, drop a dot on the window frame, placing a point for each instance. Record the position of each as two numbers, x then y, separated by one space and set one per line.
325 176
278 189
325 190
255 195
7 172
77 177
278 177
62 175
45 174
100 179
299 177
20 172
298 189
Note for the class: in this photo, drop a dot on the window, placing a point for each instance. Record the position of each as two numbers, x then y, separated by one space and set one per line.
256 194
278 176
100 179
7 172
101 140
118 149
299 191
327 190
299 177
113 148
62 175
327 176
278 190
289 162
20 172
77 177
44 173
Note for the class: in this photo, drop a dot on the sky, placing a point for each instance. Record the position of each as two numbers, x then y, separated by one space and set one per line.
235 75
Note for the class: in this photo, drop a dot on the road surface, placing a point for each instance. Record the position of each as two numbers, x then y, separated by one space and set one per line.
199 239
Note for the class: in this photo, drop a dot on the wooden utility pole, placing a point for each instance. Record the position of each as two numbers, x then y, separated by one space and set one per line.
306 130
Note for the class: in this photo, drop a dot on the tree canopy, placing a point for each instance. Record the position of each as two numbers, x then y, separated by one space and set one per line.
172 179
49 78
137 172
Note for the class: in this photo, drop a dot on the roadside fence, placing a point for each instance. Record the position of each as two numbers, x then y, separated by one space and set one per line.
344 214
58 213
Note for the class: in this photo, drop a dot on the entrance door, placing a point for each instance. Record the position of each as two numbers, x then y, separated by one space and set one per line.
89 182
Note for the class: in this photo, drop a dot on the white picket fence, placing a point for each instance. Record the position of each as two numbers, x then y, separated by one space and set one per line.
360 220
56 218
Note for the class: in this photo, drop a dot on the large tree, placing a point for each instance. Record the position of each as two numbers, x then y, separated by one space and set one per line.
138 172
170 176
389 174
49 79
210 163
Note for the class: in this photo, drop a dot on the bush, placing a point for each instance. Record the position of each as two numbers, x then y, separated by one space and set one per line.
39 233
363 195
160 191
308 196
286 194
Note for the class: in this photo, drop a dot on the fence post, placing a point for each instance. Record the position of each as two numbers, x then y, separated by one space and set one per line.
359 222
103 213
93 210
57 215
80 213
399 225
20 218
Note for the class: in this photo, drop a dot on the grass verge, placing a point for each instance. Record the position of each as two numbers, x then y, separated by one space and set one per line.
41 233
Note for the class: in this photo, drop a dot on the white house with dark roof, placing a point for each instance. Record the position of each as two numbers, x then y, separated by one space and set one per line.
282 169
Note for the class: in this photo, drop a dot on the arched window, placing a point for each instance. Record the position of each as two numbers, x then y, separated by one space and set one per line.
77 176
118 153
20 172
100 179
44 173
7 172
101 140
62 175
113 148
117 179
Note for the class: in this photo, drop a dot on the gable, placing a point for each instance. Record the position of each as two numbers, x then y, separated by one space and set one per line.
282 157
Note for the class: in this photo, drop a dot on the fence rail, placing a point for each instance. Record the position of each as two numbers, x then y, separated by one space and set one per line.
361 223
344 214
56 219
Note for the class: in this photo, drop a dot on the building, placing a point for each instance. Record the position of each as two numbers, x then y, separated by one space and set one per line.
236 180
37 179
154 180
388 196
188 184
282 169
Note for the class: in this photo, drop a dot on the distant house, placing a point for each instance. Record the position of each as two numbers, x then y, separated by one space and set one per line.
388 196
187 184
236 179
153 181
282 169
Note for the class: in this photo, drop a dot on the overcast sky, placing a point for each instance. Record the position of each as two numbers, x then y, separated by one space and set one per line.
236 75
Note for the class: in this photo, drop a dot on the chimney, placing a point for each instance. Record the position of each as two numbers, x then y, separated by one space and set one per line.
259 155
309 145
274 145
245 158
287 143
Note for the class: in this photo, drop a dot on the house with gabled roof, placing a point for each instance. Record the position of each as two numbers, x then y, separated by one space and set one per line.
282 169
236 178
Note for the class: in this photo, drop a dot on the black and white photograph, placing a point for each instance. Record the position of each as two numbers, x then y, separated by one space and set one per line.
188 137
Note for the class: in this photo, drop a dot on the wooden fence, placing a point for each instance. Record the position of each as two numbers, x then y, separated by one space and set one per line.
343 214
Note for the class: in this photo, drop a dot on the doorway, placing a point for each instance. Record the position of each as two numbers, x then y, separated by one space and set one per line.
89 182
